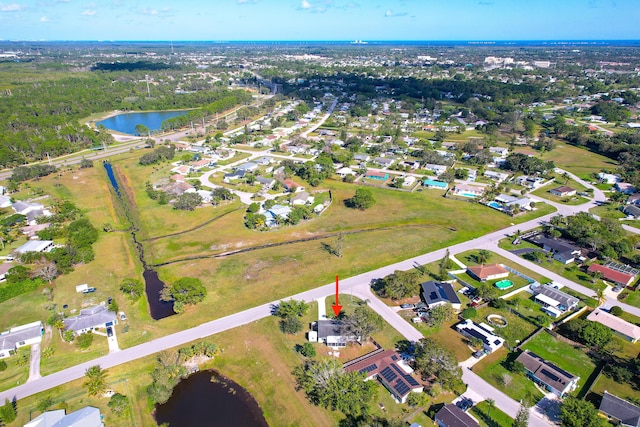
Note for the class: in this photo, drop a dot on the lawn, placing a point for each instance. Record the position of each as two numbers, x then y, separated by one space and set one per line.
579 161
490 416
14 374
631 298
517 329
564 355
470 258
544 192
608 210
492 369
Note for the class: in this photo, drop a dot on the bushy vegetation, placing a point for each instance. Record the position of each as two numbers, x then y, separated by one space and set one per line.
183 292
398 285
159 154
436 363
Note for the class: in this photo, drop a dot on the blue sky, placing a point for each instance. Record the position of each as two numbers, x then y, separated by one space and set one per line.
224 20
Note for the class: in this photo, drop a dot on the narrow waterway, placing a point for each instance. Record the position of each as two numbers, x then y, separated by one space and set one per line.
153 285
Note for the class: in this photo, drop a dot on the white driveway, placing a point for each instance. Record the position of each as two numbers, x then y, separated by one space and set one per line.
34 362
322 308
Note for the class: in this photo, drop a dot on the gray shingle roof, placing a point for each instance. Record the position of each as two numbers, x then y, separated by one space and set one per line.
92 317
620 409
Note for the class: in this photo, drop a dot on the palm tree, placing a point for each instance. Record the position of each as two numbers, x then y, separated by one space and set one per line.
96 382
565 176
491 404
600 297
483 256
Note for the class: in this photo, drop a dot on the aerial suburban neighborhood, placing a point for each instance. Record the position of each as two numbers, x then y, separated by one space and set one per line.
319 233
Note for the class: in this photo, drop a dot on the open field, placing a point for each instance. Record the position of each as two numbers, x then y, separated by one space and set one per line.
608 210
579 161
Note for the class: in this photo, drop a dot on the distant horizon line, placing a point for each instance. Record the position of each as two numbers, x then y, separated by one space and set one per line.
367 41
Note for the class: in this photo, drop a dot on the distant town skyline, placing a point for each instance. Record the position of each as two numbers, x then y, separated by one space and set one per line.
326 20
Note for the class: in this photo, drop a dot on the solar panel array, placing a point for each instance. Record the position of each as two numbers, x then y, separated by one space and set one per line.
623 268
401 387
368 369
388 375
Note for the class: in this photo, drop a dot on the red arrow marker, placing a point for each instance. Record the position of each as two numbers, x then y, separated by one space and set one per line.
336 307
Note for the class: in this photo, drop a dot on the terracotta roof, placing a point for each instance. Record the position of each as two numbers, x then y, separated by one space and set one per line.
484 271
378 174
611 274
615 323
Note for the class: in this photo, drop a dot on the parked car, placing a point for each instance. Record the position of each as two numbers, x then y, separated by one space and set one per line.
478 354
109 331
109 300
421 305
617 288
123 316
465 403
406 305
89 290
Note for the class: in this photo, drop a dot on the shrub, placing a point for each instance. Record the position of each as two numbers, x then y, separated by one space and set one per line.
469 313
84 340
3 365
616 310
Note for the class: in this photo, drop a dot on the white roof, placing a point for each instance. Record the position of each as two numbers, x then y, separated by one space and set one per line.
34 246
545 299
615 323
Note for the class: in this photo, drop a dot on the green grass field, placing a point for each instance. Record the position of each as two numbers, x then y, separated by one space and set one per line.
490 416
579 161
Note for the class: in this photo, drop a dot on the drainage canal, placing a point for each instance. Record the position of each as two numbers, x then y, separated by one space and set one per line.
153 285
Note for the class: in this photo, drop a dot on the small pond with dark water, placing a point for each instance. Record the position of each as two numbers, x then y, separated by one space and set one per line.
207 399
126 122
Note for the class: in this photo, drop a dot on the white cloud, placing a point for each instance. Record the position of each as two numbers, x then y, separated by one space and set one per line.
13 7
44 19
150 11
89 12
305 5
391 14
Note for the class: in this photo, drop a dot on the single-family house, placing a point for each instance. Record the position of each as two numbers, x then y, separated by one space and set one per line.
5 201
247 167
625 329
384 161
496 176
452 416
342 172
331 332
234 176
563 250
435 293
490 341
548 375
198 149
361 157
625 187
632 211
436 169
88 416
465 190
409 180
488 272
35 246
203 163
563 191
266 182
507 200
302 198
624 413
23 208
98 316
388 367
633 199
264 161
431 183
4 269
608 178
500 151
532 182
613 275
554 301
380 176
20 336
289 185
182 170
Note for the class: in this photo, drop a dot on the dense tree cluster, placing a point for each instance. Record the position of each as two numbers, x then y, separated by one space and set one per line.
159 154
327 385
25 173
187 201
183 292
593 334
398 285
437 363
166 375
518 162
606 236
363 199
290 312
362 323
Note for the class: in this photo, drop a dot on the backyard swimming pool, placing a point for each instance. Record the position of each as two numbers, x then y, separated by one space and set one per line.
504 284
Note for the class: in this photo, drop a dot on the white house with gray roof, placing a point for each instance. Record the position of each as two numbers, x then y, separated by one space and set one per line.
20 336
88 416
35 246
91 318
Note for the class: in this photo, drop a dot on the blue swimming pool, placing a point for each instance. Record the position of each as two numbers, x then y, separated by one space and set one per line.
465 194
495 205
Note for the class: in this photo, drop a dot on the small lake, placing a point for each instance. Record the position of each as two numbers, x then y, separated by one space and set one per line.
199 401
126 122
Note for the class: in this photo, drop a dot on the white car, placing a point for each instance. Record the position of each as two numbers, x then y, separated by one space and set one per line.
122 315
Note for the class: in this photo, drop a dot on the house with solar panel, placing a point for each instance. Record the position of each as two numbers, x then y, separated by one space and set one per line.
548 375
490 341
387 367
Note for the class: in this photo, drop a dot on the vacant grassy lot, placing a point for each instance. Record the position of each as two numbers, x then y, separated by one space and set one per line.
608 210
564 355
493 370
579 161
516 331
489 416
